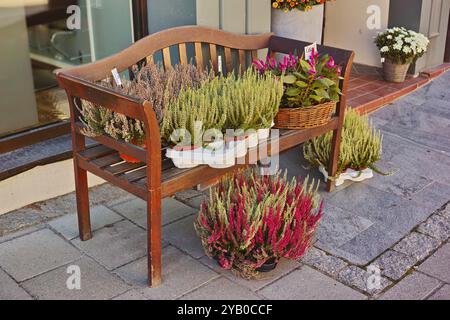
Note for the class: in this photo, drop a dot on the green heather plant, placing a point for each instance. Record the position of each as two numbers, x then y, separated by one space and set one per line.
361 145
247 102
188 116
251 101
249 220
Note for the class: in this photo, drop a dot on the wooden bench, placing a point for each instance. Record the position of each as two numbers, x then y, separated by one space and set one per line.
156 177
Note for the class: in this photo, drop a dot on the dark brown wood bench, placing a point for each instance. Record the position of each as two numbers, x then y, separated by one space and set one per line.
156 177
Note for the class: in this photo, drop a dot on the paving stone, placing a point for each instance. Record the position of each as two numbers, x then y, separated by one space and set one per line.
133 294
401 182
100 216
442 294
417 245
221 289
414 158
42 251
196 201
115 245
181 274
323 261
339 226
438 264
284 267
136 211
108 195
368 245
359 278
446 211
10 290
415 286
19 219
188 194
394 264
96 283
22 232
436 226
309 284
182 235
434 196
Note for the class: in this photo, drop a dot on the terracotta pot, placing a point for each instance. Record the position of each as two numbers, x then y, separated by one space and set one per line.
394 72
131 159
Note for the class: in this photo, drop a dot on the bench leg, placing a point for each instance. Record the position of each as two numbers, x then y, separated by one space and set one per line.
334 158
154 237
84 219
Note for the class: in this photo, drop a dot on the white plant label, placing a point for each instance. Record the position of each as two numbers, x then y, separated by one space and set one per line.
382 60
219 63
116 77
309 50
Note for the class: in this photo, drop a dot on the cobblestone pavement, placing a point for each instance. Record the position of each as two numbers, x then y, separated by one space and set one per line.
385 238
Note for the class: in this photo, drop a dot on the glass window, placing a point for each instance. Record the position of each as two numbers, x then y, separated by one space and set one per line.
39 36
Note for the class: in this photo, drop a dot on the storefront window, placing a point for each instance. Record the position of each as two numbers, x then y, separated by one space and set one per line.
39 36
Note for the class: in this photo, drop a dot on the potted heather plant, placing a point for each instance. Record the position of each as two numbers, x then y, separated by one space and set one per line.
360 149
251 103
311 89
399 48
298 19
250 221
151 83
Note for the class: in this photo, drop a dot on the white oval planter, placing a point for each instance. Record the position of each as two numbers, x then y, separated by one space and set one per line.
239 147
299 25
263 134
252 140
185 159
219 159
349 174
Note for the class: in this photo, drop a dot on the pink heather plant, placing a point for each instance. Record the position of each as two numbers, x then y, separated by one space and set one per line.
251 219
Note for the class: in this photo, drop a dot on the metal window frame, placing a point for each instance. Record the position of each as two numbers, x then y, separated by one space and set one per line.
31 136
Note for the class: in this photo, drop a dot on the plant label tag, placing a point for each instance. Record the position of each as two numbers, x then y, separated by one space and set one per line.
309 50
116 77
219 64
382 60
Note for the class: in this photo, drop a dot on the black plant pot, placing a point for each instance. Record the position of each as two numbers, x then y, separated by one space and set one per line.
268 266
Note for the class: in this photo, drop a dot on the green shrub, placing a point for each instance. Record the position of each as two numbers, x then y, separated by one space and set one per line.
361 145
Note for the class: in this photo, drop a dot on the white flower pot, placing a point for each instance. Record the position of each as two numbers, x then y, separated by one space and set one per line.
185 159
263 134
239 147
299 25
252 140
349 174
220 159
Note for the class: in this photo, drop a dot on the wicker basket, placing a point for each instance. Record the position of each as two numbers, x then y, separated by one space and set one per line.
305 117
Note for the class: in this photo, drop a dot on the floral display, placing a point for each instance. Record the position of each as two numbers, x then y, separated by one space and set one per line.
250 220
307 82
401 46
303 5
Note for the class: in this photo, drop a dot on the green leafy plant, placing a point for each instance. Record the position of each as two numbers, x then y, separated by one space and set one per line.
307 83
250 219
360 148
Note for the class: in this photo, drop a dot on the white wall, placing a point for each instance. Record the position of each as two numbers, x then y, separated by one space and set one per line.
346 27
